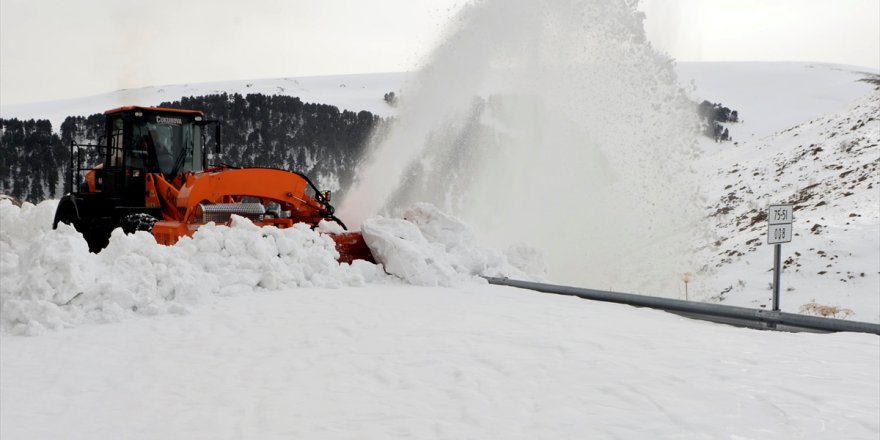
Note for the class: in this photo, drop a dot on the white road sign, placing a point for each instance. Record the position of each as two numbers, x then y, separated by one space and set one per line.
779 214
779 219
779 234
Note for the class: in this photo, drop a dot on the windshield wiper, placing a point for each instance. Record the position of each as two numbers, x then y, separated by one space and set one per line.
178 161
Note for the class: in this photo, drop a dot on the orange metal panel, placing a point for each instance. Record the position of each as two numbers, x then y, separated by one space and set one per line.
264 183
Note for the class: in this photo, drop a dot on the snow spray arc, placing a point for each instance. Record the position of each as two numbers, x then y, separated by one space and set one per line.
554 123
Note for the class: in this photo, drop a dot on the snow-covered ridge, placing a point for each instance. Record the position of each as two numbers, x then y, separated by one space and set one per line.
348 92
774 96
769 95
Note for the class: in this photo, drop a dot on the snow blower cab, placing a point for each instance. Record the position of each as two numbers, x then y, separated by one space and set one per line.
150 173
142 141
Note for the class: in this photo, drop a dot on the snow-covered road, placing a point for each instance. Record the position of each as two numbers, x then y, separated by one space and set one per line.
388 361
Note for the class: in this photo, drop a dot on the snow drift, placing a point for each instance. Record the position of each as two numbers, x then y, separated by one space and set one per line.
51 280
430 248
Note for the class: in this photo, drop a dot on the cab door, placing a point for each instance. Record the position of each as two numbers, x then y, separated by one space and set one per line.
110 179
136 160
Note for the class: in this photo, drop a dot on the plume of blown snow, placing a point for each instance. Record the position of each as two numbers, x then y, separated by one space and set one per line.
553 123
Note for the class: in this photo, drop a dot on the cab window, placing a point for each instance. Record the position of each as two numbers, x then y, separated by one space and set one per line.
115 142
177 142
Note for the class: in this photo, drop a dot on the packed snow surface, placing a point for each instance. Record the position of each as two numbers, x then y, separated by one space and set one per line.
393 361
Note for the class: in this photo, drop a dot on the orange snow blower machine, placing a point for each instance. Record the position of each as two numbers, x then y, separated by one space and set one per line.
152 175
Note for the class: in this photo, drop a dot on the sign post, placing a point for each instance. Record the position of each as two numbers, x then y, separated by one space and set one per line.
779 219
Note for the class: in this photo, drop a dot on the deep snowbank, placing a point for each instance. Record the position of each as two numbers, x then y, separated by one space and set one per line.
430 248
50 280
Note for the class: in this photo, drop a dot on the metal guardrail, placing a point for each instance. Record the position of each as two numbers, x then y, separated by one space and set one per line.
729 314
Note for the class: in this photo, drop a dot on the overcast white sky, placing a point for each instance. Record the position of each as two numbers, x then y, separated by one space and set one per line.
55 49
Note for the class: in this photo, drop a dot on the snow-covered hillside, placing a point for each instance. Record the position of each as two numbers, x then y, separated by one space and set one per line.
828 168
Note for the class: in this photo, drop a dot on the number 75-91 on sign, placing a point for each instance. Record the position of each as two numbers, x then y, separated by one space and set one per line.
779 233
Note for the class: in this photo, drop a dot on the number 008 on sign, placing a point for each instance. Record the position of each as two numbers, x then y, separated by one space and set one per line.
779 234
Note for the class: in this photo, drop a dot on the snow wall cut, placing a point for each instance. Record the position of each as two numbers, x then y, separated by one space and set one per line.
50 280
